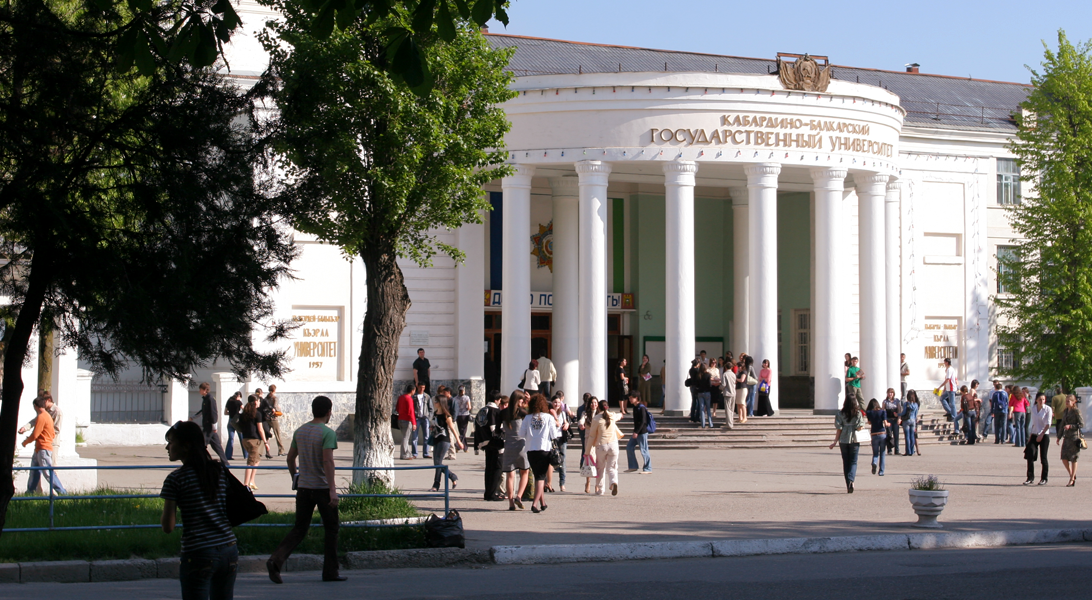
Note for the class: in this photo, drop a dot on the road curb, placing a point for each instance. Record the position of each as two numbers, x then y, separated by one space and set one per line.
569 553
74 571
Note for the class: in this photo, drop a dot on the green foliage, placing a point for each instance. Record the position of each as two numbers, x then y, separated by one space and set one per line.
369 165
153 543
926 483
1049 307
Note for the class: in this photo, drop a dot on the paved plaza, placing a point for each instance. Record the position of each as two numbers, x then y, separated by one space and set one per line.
718 494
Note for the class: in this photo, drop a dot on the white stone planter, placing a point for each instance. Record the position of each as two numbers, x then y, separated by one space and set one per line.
928 505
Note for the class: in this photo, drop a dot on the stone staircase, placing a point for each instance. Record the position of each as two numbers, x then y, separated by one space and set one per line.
789 428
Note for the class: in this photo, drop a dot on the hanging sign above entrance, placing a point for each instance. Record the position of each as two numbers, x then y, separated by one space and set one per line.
545 301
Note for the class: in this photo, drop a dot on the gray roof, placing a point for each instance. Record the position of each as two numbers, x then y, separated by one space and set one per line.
930 100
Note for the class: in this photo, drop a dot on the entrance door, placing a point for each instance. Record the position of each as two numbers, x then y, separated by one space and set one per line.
541 335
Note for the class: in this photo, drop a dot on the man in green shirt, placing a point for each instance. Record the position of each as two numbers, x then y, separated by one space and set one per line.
853 382
314 444
1057 404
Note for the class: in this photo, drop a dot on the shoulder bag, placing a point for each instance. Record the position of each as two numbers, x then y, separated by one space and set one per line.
242 506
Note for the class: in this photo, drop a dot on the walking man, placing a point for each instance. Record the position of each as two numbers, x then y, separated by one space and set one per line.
853 381
421 370
209 415
407 422
274 417
52 410
422 407
547 375
950 385
42 436
313 444
640 435
488 437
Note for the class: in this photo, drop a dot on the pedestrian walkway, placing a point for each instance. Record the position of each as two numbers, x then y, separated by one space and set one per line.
727 493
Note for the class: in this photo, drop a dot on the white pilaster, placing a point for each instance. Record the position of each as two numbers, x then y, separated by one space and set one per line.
679 178
566 292
762 258
176 402
592 351
740 267
516 277
224 386
871 190
470 310
828 312
891 272
63 388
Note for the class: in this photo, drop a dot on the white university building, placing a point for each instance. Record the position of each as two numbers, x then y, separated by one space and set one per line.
665 203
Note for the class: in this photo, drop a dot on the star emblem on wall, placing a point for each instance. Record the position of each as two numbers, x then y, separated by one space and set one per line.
542 245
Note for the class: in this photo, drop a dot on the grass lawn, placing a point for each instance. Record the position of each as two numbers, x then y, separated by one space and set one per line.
153 543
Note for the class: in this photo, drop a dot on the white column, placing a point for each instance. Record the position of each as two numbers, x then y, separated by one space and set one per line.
176 402
224 386
828 312
63 388
740 267
592 350
679 282
871 189
516 277
892 271
762 255
470 312
566 319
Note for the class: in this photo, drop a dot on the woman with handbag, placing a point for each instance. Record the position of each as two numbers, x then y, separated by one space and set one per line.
210 556
765 385
514 458
604 439
443 435
1070 424
1039 439
585 415
531 378
539 430
847 423
644 377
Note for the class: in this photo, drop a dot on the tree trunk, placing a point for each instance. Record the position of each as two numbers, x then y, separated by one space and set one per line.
385 318
37 283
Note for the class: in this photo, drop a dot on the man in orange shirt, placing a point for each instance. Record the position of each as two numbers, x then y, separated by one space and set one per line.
42 436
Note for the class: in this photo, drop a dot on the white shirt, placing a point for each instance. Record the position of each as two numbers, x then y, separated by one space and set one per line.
531 380
950 378
1040 419
539 430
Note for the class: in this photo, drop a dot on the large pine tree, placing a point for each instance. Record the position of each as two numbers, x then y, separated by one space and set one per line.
1048 279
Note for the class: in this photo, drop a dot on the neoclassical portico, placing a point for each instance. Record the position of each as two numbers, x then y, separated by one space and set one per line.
744 134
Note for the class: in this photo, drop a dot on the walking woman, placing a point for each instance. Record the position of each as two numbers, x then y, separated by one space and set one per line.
910 422
644 376
585 415
846 423
564 418
1041 416
604 439
210 556
253 434
741 388
1070 424
877 418
539 430
444 436
893 407
765 386
515 449
531 378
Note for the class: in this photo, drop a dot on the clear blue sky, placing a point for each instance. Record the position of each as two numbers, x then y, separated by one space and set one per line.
984 39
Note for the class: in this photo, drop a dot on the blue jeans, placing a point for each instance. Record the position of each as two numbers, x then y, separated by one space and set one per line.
849 461
947 400
751 392
422 431
43 458
910 434
631 446
879 443
703 409
987 425
1020 433
970 419
231 443
1000 427
439 451
209 573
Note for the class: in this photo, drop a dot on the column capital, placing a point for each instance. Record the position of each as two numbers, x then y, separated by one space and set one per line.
565 186
521 177
876 181
589 167
894 186
831 179
763 174
680 172
739 196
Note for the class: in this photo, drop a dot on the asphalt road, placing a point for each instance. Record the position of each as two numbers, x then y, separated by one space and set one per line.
1057 571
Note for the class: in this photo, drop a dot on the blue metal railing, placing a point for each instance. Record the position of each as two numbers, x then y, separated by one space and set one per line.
54 498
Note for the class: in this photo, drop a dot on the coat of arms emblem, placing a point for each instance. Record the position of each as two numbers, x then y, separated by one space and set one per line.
804 73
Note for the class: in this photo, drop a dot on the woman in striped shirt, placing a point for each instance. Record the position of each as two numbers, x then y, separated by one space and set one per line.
199 489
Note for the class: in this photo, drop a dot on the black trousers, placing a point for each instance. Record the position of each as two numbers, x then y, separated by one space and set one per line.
306 502
492 471
1044 446
212 439
893 436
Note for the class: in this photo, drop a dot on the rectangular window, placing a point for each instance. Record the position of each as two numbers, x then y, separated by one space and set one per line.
1004 358
1005 256
1008 182
801 340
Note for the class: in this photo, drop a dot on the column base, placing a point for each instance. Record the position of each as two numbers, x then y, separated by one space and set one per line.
676 413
